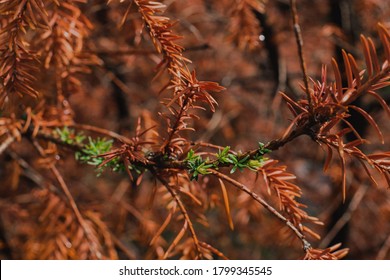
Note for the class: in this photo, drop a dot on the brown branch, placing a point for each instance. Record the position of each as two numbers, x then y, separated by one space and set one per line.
8 141
299 40
305 244
175 127
176 164
76 211
183 210
132 210
118 243
118 82
207 145
176 241
145 52
280 142
30 173
357 198
71 201
54 139
383 251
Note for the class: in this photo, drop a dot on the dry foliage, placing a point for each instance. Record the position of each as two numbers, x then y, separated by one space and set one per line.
112 84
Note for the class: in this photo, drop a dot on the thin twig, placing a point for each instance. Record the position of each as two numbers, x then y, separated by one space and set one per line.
201 47
305 244
175 128
71 201
183 210
6 143
76 210
176 164
132 210
357 198
118 82
163 226
30 173
176 241
298 37
77 147
384 250
208 145
187 217
123 247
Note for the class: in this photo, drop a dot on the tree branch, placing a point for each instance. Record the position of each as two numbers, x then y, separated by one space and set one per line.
8 141
298 37
305 244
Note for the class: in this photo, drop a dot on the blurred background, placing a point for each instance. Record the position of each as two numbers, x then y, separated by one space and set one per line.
249 48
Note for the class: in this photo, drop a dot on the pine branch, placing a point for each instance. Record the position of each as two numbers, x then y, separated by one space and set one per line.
329 104
187 89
